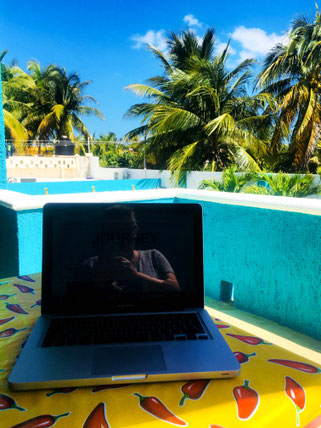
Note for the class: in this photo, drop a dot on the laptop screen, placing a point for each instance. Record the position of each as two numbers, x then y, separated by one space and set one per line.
110 258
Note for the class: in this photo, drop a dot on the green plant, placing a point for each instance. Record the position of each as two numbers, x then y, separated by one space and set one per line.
282 184
230 181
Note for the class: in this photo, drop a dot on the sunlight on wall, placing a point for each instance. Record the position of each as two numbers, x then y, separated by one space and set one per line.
3 170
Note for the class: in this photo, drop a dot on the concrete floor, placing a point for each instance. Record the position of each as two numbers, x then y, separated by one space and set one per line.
303 345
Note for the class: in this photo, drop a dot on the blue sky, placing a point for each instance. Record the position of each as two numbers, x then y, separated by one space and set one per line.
104 40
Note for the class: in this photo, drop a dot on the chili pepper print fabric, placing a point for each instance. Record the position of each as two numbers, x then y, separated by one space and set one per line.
276 388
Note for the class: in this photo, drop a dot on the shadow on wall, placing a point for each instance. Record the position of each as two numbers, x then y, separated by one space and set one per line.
9 257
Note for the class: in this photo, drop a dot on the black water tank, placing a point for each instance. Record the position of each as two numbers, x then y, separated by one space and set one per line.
65 147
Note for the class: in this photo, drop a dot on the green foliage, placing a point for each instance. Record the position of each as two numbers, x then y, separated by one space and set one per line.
111 152
282 184
230 181
44 103
121 159
199 114
291 73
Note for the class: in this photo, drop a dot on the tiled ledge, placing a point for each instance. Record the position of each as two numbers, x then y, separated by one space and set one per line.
20 202
287 338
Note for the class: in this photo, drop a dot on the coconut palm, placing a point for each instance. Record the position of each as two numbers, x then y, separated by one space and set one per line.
183 48
58 103
230 181
291 73
200 115
282 184
16 84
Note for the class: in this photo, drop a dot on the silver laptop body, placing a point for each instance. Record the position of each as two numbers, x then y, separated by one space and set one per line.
108 271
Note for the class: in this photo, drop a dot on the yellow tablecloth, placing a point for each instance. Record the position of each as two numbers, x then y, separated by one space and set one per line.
283 392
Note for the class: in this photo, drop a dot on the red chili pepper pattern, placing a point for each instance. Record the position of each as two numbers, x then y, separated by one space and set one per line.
24 288
247 401
156 408
220 326
10 332
42 421
296 394
193 390
26 278
5 320
16 308
6 296
250 340
97 418
38 303
243 358
297 365
60 391
7 402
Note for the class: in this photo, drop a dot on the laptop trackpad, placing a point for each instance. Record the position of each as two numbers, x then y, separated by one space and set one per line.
128 360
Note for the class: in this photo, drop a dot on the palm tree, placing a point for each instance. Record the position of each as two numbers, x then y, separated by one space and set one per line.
16 84
291 73
182 49
282 184
200 116
58 103
230 181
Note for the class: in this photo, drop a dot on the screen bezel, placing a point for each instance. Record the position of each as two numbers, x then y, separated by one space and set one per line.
194 300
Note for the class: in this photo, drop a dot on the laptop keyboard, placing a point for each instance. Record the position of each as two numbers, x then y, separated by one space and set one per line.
124 329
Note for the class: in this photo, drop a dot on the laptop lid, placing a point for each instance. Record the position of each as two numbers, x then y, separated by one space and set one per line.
101 258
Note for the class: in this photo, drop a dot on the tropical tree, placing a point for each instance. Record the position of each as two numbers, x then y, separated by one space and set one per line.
231 182
291 72
200 116
105 143
16 84
57 103
282 184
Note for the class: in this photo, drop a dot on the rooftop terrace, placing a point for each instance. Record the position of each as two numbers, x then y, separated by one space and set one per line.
267 247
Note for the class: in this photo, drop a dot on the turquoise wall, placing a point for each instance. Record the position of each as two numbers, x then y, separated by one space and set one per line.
29 225
3 168
61 187
273 259
9 257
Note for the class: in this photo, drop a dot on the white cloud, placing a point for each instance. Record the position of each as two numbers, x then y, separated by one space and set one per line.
255 41
155 38
220 46
191 21
243 55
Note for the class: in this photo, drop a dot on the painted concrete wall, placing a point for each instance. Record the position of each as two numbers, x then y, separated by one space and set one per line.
271 257
57 188
29 225
59 167
3 170
9 257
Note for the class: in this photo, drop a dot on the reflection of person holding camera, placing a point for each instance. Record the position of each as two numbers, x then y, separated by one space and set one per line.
126 267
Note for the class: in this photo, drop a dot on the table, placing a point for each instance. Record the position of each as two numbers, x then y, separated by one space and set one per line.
276 388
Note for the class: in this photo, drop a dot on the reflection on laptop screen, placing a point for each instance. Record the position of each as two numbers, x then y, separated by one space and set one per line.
121 256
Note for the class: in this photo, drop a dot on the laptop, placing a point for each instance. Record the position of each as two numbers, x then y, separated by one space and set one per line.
122 299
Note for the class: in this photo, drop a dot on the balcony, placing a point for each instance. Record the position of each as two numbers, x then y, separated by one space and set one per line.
267 247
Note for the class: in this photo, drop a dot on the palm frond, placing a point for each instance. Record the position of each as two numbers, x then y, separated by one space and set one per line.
179 161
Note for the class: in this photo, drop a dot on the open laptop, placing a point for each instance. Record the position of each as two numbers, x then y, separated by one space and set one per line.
122 299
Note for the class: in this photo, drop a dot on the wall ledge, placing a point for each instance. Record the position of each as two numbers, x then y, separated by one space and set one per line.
20 202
